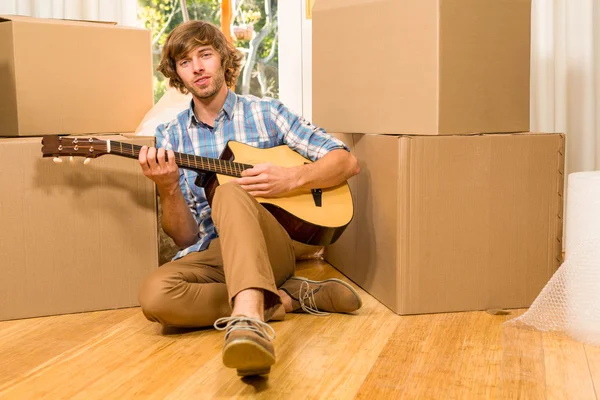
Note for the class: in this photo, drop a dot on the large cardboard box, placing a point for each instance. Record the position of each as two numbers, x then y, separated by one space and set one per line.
421 67
73 238
454 223
71 77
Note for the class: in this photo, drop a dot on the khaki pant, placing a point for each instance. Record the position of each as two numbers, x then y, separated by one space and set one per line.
253 251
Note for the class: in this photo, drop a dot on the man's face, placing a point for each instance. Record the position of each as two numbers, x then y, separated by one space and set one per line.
201 72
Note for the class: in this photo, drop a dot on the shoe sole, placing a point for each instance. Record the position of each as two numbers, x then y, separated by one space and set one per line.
332 280
248 357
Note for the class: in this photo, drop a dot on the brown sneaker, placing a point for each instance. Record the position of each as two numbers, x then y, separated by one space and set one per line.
248 345
321 297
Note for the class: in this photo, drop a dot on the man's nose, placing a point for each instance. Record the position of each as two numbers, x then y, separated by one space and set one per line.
198 65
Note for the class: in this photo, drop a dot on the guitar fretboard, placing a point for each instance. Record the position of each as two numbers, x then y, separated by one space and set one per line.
187 161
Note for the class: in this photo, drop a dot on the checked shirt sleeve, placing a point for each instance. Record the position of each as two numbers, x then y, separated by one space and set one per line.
305 138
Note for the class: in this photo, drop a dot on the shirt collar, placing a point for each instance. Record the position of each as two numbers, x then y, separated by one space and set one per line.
230 102
227 110
191 116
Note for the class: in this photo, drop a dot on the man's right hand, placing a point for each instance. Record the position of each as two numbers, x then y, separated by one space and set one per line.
162 172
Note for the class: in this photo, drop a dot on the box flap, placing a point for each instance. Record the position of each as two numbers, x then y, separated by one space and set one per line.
422 135
403 228
34 20
557 241
9 121
342 254
376 240
484 50
322 5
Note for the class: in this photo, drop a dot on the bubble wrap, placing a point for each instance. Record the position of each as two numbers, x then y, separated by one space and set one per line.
570 301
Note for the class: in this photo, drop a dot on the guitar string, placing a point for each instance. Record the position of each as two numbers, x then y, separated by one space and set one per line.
224 167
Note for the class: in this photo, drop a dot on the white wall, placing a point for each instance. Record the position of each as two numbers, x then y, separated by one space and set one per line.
295 57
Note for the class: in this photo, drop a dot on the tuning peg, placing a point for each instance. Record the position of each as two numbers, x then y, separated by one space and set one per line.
87 161
57 160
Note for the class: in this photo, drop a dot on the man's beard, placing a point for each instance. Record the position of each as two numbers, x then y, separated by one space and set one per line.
217 82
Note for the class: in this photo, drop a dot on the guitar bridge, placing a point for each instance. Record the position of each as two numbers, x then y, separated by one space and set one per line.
317 197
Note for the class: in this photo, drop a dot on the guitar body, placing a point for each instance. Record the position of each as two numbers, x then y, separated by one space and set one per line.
297 212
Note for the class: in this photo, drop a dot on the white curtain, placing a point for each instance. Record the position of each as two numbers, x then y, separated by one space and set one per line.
565 77
124 12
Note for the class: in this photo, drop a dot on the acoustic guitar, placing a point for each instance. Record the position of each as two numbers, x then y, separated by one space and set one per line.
315 217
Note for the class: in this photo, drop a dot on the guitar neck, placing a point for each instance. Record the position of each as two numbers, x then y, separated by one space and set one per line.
187 161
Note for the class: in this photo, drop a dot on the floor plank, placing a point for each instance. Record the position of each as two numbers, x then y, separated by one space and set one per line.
347 344
27 344
434 373
523 373
479 372
388 377
593 357
567 371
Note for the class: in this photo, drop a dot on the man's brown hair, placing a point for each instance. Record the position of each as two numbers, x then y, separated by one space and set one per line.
192 34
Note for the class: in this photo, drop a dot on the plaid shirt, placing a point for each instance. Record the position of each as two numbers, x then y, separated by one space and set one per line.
258 122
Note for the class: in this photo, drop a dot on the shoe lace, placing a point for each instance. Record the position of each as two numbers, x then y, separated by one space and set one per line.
307 295
241 323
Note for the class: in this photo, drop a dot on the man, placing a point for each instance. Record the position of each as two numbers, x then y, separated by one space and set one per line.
237 264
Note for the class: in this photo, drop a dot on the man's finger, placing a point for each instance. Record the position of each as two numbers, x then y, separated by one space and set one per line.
171 158
256 170
254 188
260 193
249 172
143 158
250 180
142 155
152 157
160 157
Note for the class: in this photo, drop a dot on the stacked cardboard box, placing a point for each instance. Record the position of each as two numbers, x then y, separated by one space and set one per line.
74 237
458 207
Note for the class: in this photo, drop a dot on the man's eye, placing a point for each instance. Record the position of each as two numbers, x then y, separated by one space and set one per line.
205 55
183 63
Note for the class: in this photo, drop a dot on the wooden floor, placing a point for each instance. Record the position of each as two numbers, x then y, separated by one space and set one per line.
372 355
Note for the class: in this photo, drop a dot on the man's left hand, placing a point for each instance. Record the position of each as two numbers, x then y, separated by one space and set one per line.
268 180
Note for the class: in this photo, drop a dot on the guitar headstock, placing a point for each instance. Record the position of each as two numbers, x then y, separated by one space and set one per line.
59 146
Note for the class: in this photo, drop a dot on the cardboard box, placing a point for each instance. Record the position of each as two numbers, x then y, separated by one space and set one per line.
454 223
421 67
74 238
70 77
